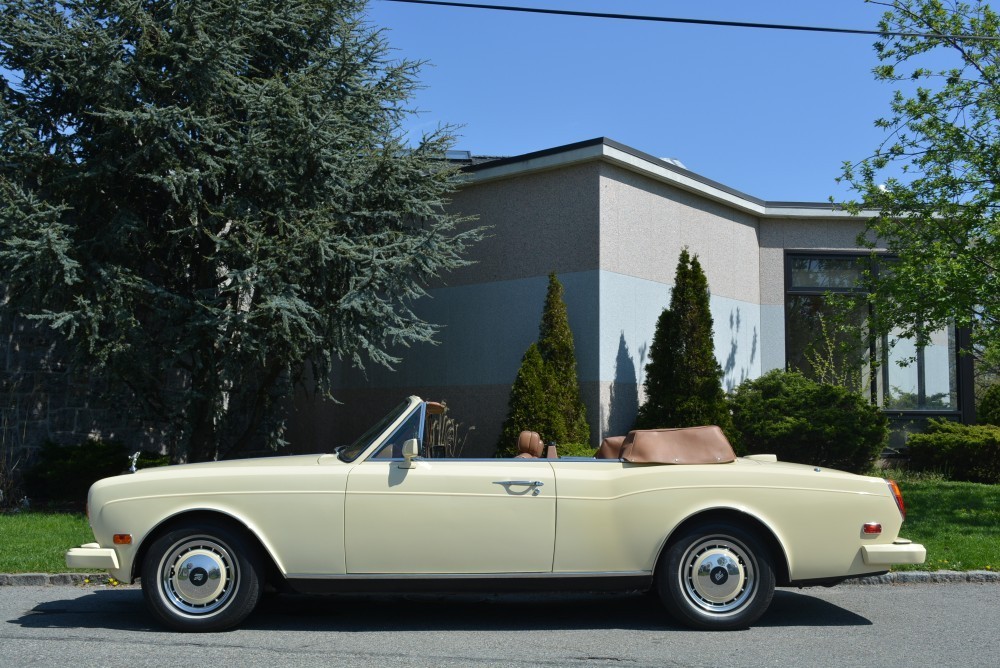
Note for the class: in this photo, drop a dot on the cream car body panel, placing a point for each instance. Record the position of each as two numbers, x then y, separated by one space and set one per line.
457 516
372 512
616 516
293 505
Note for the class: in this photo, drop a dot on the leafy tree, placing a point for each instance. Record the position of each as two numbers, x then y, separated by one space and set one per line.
683 383
207 199
933 180
546 392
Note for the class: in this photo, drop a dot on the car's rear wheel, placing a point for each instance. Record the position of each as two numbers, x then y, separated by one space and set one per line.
717 576
203 577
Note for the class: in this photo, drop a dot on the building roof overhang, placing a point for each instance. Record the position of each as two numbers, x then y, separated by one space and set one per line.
602 149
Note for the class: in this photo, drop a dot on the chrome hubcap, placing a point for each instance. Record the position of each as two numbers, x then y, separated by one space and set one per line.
718 574
198 576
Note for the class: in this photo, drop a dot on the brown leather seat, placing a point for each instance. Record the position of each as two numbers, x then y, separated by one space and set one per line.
611 448
529 445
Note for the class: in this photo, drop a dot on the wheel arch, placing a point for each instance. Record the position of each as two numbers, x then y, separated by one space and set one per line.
742 519
272 573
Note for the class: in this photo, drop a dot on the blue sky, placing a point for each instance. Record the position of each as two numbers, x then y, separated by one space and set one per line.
771 113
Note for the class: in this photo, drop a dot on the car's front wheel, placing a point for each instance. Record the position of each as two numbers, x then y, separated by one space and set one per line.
203 577
717 576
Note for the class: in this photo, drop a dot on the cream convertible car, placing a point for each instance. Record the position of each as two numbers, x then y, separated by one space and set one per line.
668 510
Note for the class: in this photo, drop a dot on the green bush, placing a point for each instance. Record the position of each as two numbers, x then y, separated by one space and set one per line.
968 453
62 474
988 411
800 420
576 450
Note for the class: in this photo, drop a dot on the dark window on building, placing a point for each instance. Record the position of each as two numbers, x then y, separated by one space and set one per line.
928 382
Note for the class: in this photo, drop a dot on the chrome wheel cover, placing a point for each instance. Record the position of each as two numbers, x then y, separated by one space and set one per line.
198 576
718 574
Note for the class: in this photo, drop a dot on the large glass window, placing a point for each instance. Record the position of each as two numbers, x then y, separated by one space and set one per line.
905 377
815 346
921 378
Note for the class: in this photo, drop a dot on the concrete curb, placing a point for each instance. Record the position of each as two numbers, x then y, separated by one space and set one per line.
933 577
44 579
901 577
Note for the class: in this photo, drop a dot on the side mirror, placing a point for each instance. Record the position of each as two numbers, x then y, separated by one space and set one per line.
411 449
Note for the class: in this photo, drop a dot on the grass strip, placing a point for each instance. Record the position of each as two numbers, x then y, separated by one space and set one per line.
958 523
36 542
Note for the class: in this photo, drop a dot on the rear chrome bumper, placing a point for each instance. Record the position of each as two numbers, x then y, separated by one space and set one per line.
92 555
901 551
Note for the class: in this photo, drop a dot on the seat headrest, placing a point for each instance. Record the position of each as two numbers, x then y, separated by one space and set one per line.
529 444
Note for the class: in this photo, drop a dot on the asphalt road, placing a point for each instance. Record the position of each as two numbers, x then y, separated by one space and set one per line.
871 626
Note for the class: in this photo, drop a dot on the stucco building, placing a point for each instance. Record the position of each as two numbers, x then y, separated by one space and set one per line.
611 222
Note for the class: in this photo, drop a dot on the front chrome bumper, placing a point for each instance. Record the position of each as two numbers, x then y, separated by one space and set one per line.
901 551
92 555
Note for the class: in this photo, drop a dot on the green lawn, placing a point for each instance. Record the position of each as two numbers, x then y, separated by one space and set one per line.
37 542
958 522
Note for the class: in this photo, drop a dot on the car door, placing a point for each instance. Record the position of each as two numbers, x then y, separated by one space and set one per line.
450 516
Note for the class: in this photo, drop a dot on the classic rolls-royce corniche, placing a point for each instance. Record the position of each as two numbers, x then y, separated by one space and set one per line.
671 511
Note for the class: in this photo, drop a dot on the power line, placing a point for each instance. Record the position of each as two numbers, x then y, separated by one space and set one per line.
704 22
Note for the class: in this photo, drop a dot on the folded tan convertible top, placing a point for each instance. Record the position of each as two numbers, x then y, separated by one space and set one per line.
689 445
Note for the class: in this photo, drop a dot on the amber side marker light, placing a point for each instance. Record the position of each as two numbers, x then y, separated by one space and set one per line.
896 494
122 539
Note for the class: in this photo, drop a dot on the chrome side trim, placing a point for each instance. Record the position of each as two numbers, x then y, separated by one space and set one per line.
468 583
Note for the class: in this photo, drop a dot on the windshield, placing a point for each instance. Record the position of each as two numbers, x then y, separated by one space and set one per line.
351 452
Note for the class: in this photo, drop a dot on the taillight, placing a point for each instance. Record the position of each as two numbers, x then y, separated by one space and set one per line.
896 494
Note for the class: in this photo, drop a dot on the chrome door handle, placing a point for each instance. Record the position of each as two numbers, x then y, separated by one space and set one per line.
534 484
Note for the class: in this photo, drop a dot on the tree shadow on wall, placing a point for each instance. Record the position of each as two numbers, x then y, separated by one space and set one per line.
730 378
624 400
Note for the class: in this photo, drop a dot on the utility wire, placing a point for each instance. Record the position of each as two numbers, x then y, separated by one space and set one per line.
703 22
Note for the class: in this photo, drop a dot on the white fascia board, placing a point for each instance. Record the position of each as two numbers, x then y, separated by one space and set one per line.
808 210
676 177
680 180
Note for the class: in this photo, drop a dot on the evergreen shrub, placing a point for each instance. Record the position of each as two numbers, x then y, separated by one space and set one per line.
799 420
576 450
967 453
988 411
545 396
62 474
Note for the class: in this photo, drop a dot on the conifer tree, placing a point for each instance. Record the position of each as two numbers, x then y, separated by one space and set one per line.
555 344
206 197
683 384
526 407
546 393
